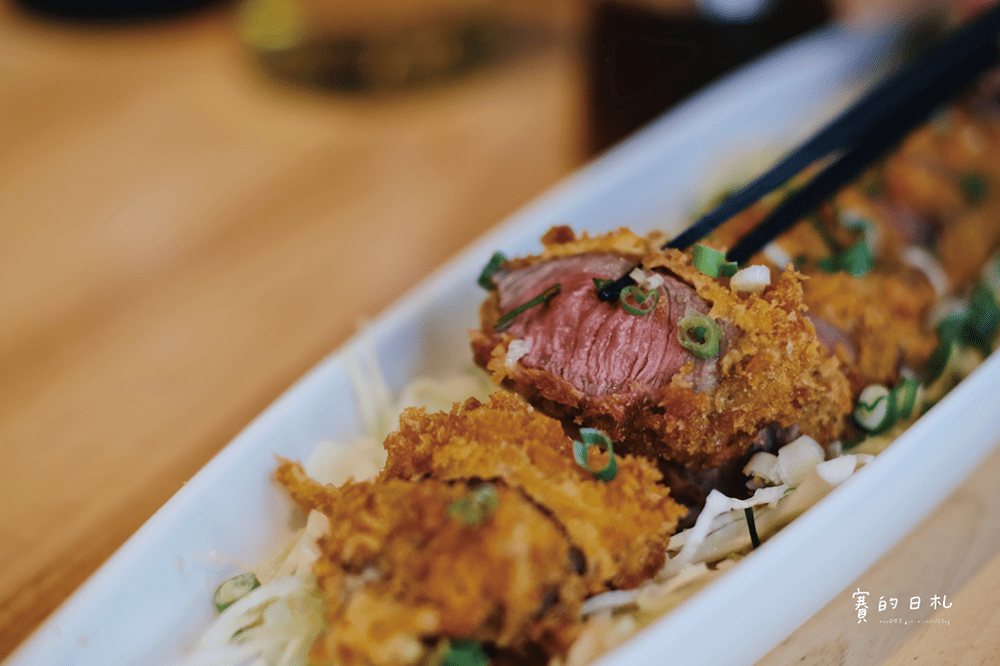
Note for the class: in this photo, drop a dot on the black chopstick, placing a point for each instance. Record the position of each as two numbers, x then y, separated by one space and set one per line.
857 138
880 142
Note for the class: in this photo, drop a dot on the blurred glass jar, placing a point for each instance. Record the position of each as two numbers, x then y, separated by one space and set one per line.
370 45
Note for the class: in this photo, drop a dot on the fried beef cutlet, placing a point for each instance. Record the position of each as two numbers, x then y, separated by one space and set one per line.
621 527
403 567
480 527
590 363
876 321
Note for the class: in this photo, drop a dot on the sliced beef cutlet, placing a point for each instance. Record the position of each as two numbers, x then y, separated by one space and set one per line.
482 527
591 363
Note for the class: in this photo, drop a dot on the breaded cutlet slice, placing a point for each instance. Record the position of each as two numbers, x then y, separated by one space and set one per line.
621 527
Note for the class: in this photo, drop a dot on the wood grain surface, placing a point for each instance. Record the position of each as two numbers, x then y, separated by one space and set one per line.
181 238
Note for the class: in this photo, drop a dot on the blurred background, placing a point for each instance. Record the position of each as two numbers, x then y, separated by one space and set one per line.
199 200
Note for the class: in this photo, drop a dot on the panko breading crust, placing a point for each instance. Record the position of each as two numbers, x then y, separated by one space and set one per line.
400 569
774 371
622 527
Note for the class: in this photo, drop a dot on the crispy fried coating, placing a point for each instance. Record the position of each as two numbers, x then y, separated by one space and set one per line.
406 564
402 568
947 174
885 315
772 370
621 527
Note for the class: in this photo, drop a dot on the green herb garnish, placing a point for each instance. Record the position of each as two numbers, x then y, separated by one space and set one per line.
875 410
477 506
486 277
905 394
711 262
233 590
728 269
645 303
752 526
700 335
592 437
982 320
601 283
464 653
856 260
506 320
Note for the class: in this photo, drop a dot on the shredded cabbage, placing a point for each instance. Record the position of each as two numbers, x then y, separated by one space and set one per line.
277 623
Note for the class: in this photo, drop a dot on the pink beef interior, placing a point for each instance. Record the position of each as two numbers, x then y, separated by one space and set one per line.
595 346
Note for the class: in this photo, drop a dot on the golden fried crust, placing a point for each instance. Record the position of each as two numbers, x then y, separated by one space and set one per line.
884 314
926 174
621 526
774 370
399 566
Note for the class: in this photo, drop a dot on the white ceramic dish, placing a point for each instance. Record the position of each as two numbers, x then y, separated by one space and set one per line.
151 599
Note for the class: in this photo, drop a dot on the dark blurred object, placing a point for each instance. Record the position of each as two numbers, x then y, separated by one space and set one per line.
387 61
642 62
113 11
384 46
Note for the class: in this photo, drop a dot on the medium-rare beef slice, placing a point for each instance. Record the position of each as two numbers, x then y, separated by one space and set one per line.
592 364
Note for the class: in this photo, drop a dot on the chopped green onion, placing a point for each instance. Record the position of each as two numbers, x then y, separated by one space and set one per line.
464 653
477 506
543 297
486 277
591 437
939 360
828 264
234 589
752 526
974 188
875 410
949 331
712 262
707 260
700 335
982 321
601 283
640 299
905 394
856 260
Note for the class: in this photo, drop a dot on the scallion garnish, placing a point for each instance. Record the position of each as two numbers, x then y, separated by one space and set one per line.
712 262
464 653
506 320
905 393
592 437
856 260
875 410
486 277
752 526
234 589
477 506
700 335
982 320
601 283
645 303
948 333
974 188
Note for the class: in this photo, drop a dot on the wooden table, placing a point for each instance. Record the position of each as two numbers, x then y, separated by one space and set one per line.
176 234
